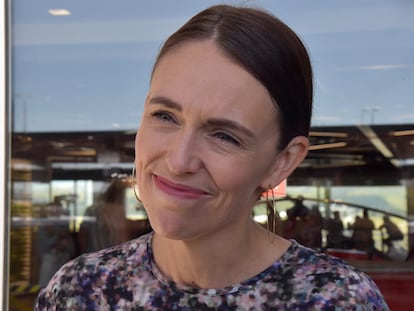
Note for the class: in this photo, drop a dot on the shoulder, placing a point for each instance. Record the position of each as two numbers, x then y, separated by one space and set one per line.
81 277
315 267
125 253
328 280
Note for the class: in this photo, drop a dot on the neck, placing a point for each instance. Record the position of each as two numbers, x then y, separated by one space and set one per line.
220 260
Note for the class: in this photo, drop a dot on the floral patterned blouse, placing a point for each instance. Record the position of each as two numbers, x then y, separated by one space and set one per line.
124 277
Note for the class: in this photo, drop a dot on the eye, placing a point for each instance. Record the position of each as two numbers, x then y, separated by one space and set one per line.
227 138
163 116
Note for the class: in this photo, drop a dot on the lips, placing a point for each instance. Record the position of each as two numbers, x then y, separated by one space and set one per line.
178 190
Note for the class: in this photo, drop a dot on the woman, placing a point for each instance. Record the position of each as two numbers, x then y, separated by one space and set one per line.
226 118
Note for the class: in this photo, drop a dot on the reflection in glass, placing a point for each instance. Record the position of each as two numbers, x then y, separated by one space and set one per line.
106 223
348 230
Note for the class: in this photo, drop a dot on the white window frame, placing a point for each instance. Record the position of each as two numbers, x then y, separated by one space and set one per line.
4 151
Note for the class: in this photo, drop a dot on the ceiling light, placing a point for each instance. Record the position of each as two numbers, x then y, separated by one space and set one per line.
327 134
327 146
340 156
406 162
376 141
338 164
386 67
59 12
81 153
402 133
90 166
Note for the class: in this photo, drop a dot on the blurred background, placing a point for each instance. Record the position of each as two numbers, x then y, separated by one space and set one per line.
79 76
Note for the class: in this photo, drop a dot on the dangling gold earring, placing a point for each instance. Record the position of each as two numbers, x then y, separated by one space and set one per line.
268 211
134 185
271 214
275 213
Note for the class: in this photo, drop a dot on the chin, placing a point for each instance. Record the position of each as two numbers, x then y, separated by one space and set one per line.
169 227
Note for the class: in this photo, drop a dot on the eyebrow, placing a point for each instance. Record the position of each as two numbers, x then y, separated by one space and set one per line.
165 101
219 122
232 125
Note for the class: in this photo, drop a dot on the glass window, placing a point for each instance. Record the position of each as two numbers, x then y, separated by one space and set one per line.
80 72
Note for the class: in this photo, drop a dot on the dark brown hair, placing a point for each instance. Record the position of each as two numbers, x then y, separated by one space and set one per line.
268 49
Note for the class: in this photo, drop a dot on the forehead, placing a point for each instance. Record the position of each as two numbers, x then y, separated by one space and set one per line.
200 72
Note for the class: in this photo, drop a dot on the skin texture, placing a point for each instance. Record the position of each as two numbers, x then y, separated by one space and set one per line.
205 150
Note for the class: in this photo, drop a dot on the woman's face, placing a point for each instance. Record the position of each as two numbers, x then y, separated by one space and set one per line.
206 143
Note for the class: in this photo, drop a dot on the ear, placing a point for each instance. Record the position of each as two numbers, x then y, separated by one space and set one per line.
287 161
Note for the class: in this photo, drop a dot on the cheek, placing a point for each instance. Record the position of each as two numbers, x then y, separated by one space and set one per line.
144 145
148 141
139 143
148 151
241 179
140 157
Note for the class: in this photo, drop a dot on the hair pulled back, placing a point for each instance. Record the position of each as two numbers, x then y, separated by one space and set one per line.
268 49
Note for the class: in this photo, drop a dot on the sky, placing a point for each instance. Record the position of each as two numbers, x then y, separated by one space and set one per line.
89 71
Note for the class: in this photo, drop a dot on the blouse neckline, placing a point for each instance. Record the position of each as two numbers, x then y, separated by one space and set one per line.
231 289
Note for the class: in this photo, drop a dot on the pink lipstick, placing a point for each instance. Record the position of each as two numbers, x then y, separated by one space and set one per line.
177 190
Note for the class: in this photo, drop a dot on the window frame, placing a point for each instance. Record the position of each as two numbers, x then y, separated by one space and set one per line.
4 149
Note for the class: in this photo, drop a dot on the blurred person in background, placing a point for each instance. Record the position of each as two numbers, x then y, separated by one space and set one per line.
106 224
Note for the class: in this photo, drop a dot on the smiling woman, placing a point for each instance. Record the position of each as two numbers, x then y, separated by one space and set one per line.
202 161
199 142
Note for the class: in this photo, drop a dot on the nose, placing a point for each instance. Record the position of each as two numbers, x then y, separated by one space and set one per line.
183 156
